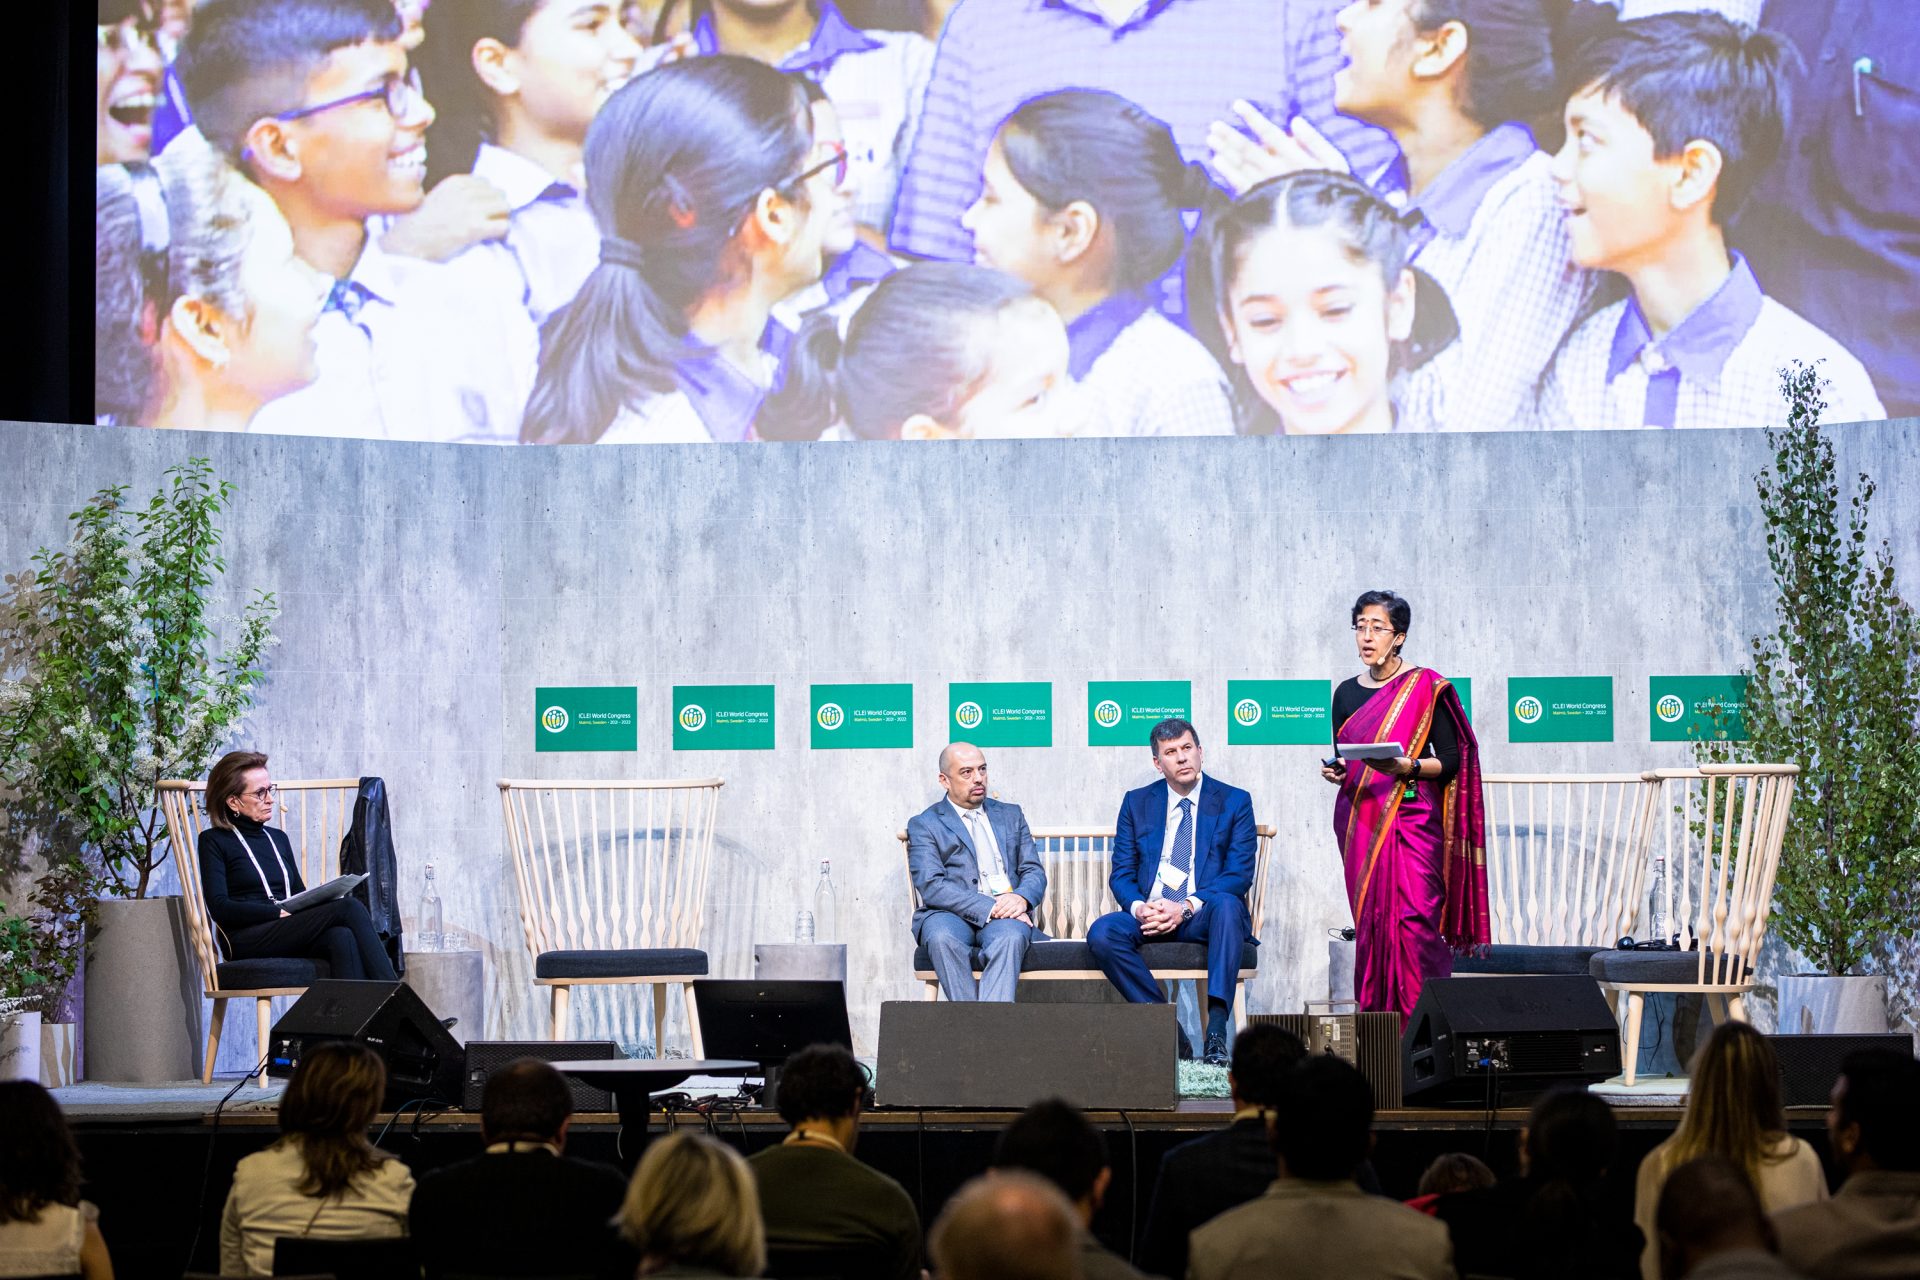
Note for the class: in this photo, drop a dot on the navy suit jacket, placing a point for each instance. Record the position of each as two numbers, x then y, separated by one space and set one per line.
1224 843
941 861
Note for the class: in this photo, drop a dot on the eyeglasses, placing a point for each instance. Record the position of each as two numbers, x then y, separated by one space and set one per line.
261 793
1374 629
837 161
402 94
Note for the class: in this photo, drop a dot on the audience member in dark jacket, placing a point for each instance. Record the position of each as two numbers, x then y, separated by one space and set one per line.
1202 1179
523 1207
1870 1230
1554 1222
1054 1140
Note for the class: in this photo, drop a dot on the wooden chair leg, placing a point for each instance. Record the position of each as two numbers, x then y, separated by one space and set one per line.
933 989
263 1018
213 1038
557 1024
693 1019
659 1018
1613 1000
1737 1008
1630 1052
1716 1008
1240 1006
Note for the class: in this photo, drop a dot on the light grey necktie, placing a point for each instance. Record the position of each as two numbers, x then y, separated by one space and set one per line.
988 855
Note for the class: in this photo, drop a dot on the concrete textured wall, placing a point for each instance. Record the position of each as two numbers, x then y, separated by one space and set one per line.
427 589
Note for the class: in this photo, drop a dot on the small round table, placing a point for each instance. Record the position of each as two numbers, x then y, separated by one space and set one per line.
634 1081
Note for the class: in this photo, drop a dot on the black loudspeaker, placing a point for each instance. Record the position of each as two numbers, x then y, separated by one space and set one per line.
1508 1039
1810 1064
1378 1044
484 1057
1100 1057
423 1060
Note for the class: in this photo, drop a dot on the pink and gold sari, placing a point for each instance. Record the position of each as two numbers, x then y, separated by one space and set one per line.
1415 855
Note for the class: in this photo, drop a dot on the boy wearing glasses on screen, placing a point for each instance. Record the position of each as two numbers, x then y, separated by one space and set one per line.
315 101
1676 119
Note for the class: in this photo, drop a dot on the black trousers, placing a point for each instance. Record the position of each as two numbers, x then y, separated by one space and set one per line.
339 932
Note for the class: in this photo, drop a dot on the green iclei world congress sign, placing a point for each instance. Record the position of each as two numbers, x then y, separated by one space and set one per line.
723 717
589 718
1681 708
1560 709
1121 713
861 716
1001 714
1278 712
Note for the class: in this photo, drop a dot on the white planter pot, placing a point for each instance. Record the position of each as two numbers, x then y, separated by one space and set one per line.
1815 1004
59 1054
20 1045
142 994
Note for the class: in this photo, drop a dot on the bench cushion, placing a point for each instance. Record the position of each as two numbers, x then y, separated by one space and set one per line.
650 962
1068 955
269 971
1504 959
1661 967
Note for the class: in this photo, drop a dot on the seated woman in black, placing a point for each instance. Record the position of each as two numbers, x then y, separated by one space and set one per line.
248 868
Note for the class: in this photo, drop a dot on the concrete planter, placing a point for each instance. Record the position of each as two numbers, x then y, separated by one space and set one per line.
1813 1003
142 994
20 1045
59 1054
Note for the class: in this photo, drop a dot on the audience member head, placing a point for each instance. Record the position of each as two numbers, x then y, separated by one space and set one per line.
240 789
1054 1140
1571 1137
527 75
1263 1054
1082 197
822 1088
1733 1102
1874 1120
1303 289
203 312
39 1163
938 351
1672 122
526 1101
693 1203
1325 1125
963 772
126 81
331 1099
1452 1172
1707 1206
1006 1226
702 178
314 98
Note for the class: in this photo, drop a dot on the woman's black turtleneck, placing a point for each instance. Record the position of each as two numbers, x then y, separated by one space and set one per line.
237 898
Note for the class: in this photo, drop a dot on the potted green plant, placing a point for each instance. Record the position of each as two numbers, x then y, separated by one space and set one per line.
1835 688
21 982
113 679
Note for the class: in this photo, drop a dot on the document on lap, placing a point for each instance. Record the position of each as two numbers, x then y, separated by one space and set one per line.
338 887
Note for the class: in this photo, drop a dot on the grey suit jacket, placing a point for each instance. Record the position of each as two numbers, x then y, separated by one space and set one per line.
945 871
1307 1230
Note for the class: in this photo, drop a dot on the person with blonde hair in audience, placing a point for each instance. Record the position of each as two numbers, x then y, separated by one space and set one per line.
692 1210
46 1229
1006 1225
1733 1110
322 1179
1870 1230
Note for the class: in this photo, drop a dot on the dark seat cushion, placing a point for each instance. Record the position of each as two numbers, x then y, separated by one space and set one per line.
1505 959
1648 966
270 971
652 962
1068 954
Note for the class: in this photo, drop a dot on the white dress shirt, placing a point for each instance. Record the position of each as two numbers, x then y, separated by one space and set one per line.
986 850
1166 844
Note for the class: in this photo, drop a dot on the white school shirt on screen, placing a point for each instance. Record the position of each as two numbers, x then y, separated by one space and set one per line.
666 418
552 243
1747 11
1729 352
410 350
877 82
1500 250
1155 379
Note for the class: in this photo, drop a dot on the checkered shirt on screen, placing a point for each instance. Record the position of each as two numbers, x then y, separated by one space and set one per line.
1516 292
1577 393
1155 379
1182 61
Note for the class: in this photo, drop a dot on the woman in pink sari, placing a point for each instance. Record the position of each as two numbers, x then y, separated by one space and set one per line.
1410 828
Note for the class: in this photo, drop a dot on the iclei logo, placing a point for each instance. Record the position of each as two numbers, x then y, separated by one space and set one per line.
693 717
1246 712
1106 713
830 715
553 719
1670 708
1527 710
968 715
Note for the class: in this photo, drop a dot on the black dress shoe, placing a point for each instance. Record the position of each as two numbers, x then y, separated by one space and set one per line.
1216 1055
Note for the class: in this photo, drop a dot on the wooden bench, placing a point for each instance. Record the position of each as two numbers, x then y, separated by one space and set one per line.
1078 861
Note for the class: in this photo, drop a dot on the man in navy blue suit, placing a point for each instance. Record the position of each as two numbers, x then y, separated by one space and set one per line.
1183 858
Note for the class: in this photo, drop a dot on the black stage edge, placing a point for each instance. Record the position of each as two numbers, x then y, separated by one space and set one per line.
146 1175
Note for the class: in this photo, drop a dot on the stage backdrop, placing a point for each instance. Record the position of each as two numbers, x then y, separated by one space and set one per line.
430 590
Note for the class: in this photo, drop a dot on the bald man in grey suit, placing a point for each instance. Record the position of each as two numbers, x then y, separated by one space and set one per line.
979 880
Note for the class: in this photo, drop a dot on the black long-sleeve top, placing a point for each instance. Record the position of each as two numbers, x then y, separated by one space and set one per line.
1443 744
238 895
